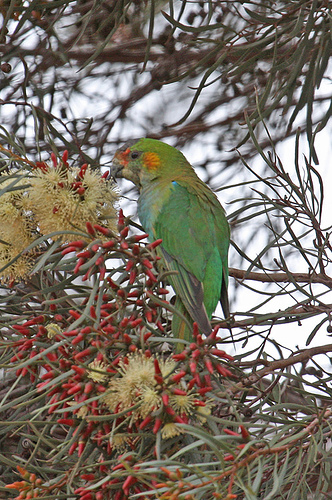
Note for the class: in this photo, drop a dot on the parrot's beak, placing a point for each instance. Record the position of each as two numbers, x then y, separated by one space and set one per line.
116 169
121 170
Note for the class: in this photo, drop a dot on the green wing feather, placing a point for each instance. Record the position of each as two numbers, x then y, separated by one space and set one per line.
195 235
189 289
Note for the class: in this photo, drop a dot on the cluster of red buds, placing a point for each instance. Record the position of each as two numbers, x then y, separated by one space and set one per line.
184 381
92 258
119 481
29 487
42 165
175 486
77 356
200 354
77 185
47 347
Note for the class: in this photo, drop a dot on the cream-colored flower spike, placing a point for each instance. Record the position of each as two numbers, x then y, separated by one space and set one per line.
65 199
136 385
16 230
54 198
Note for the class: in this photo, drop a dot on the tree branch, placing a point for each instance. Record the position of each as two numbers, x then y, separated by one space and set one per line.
281 364
279 277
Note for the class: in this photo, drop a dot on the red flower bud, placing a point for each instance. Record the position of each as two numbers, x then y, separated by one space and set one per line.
154 244
157 425
90 229
139 237
160 326
192 366
147 336
74 314
231 433
72 448
68 250
136 250
221 354
196 354
159 379
209 365
78 339
165 398
81 446
169 411
103 230
128 483
244 432
151 275
81 173
145 422
199 339
136 322
100 261
181 356
78 265
54 160
83 353
195 329
156 367
34 321
121 219
75 389
78 369
179 392
147 263
88 477
48 375
66 421
108 244
223 371
179 420
178 376
203 390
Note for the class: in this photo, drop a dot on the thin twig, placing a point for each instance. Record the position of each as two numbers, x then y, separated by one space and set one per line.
279 277
281 364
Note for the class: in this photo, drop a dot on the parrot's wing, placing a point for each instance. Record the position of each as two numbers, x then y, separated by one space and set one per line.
187 225
224 296
190 290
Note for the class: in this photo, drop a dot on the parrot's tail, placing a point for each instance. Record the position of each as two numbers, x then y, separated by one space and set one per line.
182 325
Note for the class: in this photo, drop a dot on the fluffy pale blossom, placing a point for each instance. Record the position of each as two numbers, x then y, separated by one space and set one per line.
170 430
65 199
136 385
16 229
53 329
53 198
97 371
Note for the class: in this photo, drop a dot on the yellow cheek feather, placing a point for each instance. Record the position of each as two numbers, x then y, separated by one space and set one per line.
151 161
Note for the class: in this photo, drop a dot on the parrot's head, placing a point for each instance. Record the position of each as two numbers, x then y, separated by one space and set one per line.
144 160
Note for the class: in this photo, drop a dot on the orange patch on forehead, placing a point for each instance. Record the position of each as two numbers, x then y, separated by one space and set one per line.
151 161
122 156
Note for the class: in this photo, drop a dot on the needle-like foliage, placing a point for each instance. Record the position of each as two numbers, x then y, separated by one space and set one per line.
96 401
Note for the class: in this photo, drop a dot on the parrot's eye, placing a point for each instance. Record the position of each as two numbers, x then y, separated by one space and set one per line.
134 155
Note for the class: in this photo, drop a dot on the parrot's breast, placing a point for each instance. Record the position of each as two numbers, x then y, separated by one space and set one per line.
151 202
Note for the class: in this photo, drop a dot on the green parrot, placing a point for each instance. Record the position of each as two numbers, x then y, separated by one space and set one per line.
176 206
